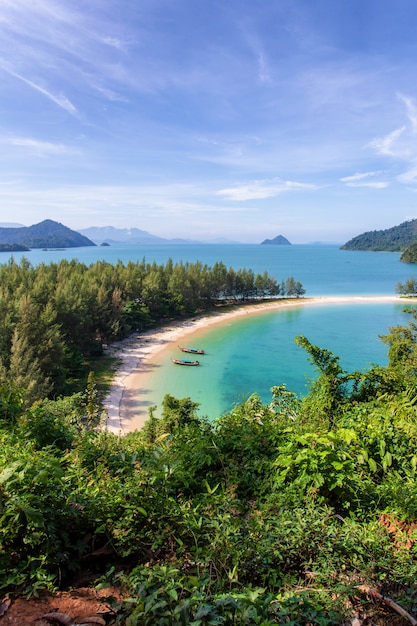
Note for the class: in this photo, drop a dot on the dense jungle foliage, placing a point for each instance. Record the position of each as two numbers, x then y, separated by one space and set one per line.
54 317
395 239
278 513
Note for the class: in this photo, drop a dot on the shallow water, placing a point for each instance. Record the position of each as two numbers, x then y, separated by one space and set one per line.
251 354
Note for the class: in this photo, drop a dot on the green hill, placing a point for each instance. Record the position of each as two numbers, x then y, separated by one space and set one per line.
46 234
395 239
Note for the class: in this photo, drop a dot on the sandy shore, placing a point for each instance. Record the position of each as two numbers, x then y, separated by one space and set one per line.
123 403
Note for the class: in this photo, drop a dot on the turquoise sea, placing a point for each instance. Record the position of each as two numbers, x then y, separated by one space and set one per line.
253 353
250 354
322 269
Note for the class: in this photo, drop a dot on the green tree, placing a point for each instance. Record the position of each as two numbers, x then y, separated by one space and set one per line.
266 286
402 351
293 287
11 400
408 288
25 369
92 403
7 324
219 273
329 390
177 413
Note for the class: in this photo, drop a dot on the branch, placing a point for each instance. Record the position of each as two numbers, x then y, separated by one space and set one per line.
393 605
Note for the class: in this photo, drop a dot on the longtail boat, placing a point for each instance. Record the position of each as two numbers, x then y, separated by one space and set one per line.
185 362
191 350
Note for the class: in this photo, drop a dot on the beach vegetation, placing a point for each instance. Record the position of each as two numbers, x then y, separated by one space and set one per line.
293 287
408 287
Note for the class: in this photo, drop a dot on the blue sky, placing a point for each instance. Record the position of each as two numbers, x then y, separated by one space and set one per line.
241 119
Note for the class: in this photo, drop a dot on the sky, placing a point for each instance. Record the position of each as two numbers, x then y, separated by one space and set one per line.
210 119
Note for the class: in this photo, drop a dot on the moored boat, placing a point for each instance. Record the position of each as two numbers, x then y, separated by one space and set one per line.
185 362
191 350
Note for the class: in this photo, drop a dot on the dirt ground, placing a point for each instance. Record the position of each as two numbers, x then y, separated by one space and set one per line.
90 607
76 605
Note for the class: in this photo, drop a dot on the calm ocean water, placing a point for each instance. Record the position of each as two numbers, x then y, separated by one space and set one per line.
251 354
323 270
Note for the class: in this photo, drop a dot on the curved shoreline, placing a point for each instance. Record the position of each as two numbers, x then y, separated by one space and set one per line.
136 352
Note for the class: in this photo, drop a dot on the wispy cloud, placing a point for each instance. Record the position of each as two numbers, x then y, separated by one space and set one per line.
400 143
387 145
410 176
59 99
63 48
411 110
40 148
158 200
261 189
250 103
362 180
264 71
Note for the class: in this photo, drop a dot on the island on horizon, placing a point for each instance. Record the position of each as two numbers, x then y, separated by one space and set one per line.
279 240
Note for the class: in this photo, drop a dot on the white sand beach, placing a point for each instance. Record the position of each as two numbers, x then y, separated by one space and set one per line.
136 352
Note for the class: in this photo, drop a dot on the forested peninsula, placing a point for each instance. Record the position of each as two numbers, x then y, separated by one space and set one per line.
298 511
395 239
56 317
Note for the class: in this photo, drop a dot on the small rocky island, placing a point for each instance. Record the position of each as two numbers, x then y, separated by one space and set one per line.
278 241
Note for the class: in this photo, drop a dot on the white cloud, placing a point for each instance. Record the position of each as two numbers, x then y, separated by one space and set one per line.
261 189
409 177
372 184
263 69
59 99
385 145
361 180
400 143
42 148
170 200
62 48
411 111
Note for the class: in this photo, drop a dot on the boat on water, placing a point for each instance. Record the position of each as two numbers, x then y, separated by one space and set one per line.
191 350
185 362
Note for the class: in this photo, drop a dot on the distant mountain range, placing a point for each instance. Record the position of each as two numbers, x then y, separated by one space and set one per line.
46 234
110 234
51 234
395 239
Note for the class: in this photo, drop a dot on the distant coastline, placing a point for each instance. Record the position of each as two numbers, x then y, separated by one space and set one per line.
13 247
136 352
